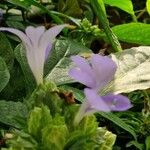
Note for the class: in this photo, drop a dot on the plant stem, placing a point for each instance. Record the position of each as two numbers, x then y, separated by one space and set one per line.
105 24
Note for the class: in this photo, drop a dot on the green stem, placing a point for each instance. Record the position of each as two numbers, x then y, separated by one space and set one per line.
134 18
146 110
105 24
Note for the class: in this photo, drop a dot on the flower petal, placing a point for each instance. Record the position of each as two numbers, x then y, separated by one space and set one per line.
82 77
95 101
47 52
20 34
82 63
83 73
49 36
104 69
34 34
117 102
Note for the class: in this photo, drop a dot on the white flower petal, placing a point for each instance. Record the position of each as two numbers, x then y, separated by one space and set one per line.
49 36
34 34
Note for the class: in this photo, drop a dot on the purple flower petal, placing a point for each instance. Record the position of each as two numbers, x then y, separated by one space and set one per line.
92 104
82 77
104 69
82 64
117 102
95 101
83 72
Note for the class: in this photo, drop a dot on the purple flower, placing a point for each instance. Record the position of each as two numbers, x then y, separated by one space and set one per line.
94 103
38 43
95 75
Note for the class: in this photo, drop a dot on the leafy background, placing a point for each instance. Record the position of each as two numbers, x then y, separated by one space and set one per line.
129 22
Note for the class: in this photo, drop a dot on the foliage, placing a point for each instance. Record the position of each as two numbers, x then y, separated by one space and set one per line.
42 117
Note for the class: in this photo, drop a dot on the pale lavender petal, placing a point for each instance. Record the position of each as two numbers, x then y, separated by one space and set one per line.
104 69
82 64
82 77
47 52
95 101
34 34
117 102
49 36
84 73
20 34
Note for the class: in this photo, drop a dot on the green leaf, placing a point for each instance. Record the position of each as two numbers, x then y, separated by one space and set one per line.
136 144
27 3
107 138
98 9
55 135
147 142
148 6
133 71
101 3
119 122
22 3
6 51
70 7
4 74
10 111
16 21
21 58
137 33
39 118
125 5
59 61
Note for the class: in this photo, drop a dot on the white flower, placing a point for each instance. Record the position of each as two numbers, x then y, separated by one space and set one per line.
38 43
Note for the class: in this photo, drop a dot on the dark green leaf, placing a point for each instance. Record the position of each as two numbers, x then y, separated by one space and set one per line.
10 111
6 51
4 74
112 117
21 57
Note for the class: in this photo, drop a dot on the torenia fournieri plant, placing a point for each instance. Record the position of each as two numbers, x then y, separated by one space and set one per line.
38 43
96 75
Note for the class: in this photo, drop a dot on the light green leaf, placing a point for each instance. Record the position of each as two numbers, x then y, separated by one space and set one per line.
38 119
147 142
148 6
4 74
125 5
133 71
101 3
112 117
10 111
138 33
59 61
